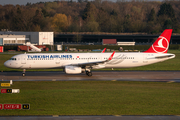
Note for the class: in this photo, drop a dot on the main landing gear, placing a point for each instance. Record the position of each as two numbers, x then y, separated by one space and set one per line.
88 72
23 73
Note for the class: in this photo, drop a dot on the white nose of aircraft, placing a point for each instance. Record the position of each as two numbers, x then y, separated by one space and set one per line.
7 64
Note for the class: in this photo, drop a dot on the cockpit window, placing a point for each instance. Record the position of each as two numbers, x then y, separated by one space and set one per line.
12 58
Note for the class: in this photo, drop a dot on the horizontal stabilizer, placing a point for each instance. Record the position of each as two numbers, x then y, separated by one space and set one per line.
161 56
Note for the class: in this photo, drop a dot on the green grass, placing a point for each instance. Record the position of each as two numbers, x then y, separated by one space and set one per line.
95 98
172 64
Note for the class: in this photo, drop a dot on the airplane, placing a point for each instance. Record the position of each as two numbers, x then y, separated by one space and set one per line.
76 63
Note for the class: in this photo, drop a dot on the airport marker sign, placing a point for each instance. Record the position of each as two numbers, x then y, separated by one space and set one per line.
1 105
12 106
3 90
5 84
26 106
10 91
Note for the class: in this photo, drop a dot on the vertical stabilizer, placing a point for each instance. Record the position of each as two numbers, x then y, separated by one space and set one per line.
161 45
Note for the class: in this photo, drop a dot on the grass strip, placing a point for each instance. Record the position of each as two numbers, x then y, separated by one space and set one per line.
95 98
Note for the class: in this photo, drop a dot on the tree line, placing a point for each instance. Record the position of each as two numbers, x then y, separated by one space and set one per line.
95 16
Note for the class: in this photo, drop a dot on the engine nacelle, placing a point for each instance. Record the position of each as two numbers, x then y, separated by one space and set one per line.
72 70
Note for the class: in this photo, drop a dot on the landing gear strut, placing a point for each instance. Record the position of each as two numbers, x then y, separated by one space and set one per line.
23 73
88 73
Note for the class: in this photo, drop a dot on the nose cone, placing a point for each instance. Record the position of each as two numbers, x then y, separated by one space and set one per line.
7 64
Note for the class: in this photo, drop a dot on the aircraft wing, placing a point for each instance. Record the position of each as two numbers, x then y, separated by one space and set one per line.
93 63
88 63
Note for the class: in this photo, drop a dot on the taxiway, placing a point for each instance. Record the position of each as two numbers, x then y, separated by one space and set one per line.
159 76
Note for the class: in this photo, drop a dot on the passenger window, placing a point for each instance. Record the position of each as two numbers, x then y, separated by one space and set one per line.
12 58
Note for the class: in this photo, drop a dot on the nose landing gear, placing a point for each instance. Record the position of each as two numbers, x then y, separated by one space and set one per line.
23 73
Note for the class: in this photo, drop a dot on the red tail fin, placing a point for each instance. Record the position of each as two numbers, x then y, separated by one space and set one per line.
161 45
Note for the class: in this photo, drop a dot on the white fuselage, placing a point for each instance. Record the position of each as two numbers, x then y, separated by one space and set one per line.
60 60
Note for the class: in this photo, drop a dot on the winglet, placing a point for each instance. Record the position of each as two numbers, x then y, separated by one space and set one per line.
103 50
110 58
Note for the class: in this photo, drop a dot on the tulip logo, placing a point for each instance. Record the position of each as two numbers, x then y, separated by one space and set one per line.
161 45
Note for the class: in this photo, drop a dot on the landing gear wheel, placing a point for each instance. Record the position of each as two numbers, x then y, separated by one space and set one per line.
88 73
23 74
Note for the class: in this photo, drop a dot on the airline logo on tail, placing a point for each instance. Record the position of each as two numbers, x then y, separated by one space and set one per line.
161 45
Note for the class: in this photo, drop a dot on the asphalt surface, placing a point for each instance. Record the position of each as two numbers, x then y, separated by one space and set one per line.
118 117
159 76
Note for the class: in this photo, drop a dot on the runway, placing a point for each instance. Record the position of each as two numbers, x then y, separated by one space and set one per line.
117 117
157 76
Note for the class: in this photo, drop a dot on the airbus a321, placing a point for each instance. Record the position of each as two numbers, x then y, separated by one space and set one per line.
76 63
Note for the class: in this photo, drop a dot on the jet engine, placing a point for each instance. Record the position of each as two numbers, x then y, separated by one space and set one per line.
72 70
